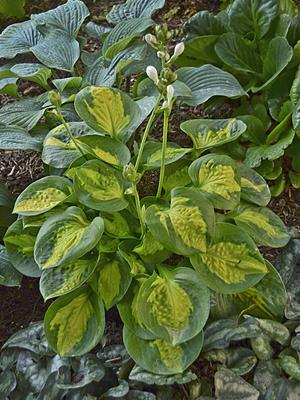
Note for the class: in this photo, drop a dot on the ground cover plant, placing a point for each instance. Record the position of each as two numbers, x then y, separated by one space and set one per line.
182 264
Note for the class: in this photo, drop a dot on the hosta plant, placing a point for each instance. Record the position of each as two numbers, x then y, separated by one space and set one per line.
258 43
95 243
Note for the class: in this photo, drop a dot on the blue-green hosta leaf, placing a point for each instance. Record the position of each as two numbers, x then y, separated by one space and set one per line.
153 153
9 276
9 86
8 383
254 189
100 186
19 243
24 113
67 17
105 149
160 357
100 73
65 237
18 39
228 385
73 82
218 179
138 374
252 18
123 34
74 323
108 111
113 281
58 149
204 23
208 81
208 133
278 55
96 31
57 50
134 9
237 53
262 224
16 138
43 195
232 262
56 282
185 226
199 51
33 72
256 154
173 305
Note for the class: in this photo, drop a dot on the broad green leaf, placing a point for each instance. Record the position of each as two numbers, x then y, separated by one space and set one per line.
228 385
208 133
199 51
133 9
262 224
173 305
232 262
238 53
160 357
208 81
65 237
256 154
138 374
118 225
108 111
24 113
9 276
105 149
43 195
58 150
123 33
113 280
16 138
6 205
59 281
74 323
218 179
252 18
73 82
204 23
278 55
18 39
177 175
185 226
67 17
100 186
100 73
126 249
153 153
12 8
254 188
151 250
33 72
19 243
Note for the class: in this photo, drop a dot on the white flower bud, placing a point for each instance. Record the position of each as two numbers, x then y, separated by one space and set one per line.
151 39
170 94
152 74
179 49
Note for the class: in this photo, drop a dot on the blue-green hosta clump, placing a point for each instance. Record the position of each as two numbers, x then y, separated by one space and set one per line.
257 42
95 243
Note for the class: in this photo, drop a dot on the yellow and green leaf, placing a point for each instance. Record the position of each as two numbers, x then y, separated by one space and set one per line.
254 188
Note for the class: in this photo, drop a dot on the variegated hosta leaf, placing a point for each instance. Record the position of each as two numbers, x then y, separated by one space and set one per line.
106 149
123 33
254 188
74 323
113 280
217 177
33 72
66 237
173 305
153 153
43 195
19 243
160 357
133 9
151 250
59 151
262 224
100 186
136 264
185 226
108 111
177 175
267 299
9 276
230 386
208 133
117 224
138 374
58 281
232 262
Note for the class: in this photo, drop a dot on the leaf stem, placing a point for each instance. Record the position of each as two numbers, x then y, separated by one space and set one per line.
163 152
67 128
138 206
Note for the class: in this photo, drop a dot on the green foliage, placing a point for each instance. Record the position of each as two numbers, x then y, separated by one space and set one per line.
12 8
